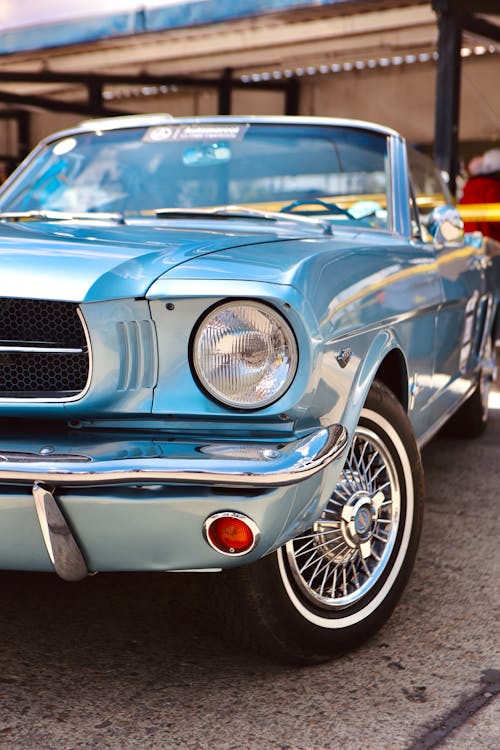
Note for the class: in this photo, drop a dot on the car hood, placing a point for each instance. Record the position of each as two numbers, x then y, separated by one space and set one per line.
91 261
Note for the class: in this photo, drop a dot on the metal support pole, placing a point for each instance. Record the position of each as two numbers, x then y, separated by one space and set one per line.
448 94
225 91
23 134
94 96
292 96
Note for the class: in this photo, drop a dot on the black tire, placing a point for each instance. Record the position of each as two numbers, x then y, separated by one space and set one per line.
471 419
285 613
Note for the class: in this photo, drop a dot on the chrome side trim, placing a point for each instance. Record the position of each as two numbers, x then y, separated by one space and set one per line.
29 457
63 550
196 570
427 436
263 465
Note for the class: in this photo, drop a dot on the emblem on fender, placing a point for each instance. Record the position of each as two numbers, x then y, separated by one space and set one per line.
344 357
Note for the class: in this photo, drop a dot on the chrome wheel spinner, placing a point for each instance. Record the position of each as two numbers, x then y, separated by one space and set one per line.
358 521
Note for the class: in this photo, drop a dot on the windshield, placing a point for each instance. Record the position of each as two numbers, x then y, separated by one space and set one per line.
330 172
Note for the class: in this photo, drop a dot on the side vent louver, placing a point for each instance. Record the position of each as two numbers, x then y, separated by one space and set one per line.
138 355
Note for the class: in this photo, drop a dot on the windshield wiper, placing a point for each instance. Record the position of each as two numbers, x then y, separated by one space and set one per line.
59 216
242 212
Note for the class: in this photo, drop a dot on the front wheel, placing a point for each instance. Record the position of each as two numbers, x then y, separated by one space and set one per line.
334 585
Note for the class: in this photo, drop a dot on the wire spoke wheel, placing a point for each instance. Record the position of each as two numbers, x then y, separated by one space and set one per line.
338 560
335 584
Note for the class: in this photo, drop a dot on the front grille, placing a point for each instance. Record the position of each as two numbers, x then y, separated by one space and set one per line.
43 349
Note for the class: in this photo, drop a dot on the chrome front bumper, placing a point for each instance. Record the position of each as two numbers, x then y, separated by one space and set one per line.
140 463
229 464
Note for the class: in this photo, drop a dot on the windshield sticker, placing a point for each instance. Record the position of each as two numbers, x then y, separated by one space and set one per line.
204 132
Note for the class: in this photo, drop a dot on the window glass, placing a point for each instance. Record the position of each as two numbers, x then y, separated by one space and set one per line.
429 186
337 173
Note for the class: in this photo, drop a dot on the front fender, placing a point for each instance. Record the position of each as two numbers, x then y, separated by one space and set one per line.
384 342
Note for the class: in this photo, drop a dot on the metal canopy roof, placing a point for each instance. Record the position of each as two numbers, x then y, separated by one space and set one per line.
266 50
244 45
88 77
54 25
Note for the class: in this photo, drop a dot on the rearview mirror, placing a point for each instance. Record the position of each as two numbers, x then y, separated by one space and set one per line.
206 155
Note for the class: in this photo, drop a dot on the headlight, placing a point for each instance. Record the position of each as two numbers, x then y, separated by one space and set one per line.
245 354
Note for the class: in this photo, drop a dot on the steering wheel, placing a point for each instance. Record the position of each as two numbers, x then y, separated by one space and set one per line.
330 208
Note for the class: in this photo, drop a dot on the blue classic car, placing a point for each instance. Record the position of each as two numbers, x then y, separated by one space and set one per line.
223 342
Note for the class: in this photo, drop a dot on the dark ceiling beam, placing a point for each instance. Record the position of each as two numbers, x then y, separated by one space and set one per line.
490 7
11 114
57 105
263 85
90 79
481 27
95 106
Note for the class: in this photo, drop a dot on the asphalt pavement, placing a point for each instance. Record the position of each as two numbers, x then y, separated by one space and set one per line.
125 661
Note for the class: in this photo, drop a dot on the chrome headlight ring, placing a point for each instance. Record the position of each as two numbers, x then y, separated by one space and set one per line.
244 354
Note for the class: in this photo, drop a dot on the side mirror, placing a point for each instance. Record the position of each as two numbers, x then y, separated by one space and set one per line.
445 226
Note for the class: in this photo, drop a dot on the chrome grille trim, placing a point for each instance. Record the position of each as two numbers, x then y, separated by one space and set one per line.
63 350
39 350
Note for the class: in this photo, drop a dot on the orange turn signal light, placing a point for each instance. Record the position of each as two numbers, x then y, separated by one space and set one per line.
231 533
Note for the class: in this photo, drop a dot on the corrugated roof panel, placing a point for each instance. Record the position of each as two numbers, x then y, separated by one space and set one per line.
130 18
214 11
68 32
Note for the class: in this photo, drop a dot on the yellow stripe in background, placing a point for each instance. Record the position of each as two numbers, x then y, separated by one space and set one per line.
480 211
